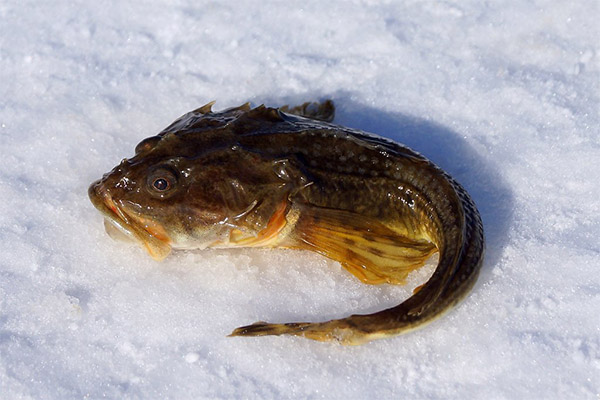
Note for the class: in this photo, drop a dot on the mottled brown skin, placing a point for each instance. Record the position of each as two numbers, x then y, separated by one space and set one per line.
263 177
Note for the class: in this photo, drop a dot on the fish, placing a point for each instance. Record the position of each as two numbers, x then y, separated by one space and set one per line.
288 177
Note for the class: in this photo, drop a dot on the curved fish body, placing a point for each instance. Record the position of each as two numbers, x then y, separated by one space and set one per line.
288 178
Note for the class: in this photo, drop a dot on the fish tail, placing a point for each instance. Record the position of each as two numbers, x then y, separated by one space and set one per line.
426 305
342 331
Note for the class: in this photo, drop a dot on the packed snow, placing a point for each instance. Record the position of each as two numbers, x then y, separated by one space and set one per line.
504 95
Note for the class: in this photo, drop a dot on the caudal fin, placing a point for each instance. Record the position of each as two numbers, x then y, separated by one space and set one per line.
341 331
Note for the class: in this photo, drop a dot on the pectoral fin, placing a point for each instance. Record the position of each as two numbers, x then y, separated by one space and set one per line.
368 249
274 232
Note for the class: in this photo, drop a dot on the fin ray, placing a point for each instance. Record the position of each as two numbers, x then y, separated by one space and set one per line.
369 250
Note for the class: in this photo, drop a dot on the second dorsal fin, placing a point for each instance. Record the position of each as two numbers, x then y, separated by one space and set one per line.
324 111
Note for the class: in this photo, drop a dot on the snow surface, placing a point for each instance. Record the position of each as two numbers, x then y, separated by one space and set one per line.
504 95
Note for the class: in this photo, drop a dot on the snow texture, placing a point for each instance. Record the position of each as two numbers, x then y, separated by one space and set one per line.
503 95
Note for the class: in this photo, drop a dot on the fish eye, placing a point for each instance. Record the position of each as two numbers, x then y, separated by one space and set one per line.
161 182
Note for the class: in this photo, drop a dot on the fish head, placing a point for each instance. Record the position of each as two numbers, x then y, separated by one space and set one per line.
177 192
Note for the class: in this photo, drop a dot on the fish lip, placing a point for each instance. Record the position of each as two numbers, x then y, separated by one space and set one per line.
99 197
158 248
102 200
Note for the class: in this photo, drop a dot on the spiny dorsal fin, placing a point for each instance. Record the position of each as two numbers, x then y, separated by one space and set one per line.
205 109
258 119
244 107
264 113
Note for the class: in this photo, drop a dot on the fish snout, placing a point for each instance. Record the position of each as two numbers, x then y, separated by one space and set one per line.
97 194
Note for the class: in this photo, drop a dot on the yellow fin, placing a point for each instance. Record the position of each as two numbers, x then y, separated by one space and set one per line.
368 249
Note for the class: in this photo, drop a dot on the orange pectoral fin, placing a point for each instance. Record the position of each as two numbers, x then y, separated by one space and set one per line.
368 249
158 250
269 236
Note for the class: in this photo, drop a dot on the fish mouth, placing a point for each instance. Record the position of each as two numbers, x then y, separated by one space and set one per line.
148 234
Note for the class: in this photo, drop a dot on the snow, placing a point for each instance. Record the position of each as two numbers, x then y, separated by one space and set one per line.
503 95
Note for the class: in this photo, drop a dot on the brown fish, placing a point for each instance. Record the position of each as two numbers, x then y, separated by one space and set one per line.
268 177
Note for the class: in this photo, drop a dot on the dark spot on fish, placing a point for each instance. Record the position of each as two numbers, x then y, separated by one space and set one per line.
351 255
376 251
